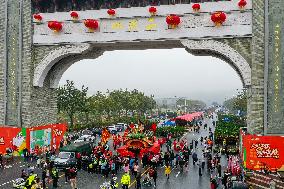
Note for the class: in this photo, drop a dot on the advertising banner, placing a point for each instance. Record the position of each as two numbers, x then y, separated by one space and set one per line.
263 152
47 136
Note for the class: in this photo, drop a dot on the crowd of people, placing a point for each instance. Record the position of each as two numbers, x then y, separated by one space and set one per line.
105 161
68 5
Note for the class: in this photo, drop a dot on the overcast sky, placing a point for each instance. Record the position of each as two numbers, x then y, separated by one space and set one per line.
164 73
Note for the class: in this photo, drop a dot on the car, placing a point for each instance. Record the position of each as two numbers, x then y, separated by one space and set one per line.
67 155
64 160
112 129
97 131
85 138
121 126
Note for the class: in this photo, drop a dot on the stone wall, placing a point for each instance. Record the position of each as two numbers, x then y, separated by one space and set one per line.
256 93
43 109
2 61
26 65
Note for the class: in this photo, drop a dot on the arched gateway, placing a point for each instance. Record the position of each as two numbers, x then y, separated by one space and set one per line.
33 57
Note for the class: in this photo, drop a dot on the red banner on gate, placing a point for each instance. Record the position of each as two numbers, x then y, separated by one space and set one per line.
263 152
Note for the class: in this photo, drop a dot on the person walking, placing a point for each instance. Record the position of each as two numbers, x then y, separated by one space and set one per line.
73 177
194 158
199 168
138 180
135 169
167 171
66 174
155 175
1 160
55 177
43 177
125 180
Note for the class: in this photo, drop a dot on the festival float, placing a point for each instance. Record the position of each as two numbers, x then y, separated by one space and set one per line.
138 141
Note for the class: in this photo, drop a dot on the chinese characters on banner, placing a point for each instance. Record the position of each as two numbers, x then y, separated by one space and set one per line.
263 152
130 25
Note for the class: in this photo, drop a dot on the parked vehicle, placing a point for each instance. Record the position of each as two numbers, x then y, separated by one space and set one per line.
121 126
112 129
65 159
83 138
97 131
67 155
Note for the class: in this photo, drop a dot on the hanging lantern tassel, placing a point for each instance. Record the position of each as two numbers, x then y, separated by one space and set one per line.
111 12
242 4
196 7
74 15
55 26
38 18
173 21
218 18
153 11
91 24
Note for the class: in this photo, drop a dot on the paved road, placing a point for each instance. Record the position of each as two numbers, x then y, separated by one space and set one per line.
178 180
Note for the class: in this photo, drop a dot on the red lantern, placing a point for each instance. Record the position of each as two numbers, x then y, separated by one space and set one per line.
91 24
218 18
153 11
74 15
173 21
196 7
111 12
55 26
38 17
242 4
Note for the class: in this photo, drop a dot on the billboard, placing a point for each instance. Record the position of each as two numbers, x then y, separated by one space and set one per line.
31 138
260 152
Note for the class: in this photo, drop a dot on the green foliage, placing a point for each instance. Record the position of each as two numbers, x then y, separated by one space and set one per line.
71 99
136 135
228 130
102 109
237 103
176 131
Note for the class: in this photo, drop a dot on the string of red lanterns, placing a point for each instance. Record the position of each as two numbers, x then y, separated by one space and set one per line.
172 20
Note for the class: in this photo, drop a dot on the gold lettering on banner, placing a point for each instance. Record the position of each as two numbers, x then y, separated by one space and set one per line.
151 25
276 65
132 25
117 26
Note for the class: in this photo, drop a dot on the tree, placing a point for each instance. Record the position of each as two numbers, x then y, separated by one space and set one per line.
238 103
71 100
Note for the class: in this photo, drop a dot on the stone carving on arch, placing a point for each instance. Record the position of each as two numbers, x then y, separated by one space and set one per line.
223 51
53 57
59 69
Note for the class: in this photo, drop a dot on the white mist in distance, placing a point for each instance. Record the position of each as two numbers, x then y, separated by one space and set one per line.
161 72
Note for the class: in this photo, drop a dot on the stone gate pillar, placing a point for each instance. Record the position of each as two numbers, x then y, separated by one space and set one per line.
15 61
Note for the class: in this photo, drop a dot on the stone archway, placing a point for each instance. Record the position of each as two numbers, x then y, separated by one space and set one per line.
67 55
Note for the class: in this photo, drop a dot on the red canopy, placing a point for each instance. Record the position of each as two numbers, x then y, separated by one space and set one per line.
190 117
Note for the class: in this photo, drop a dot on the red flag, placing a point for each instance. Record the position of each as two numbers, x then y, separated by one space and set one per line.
105 136
154 127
